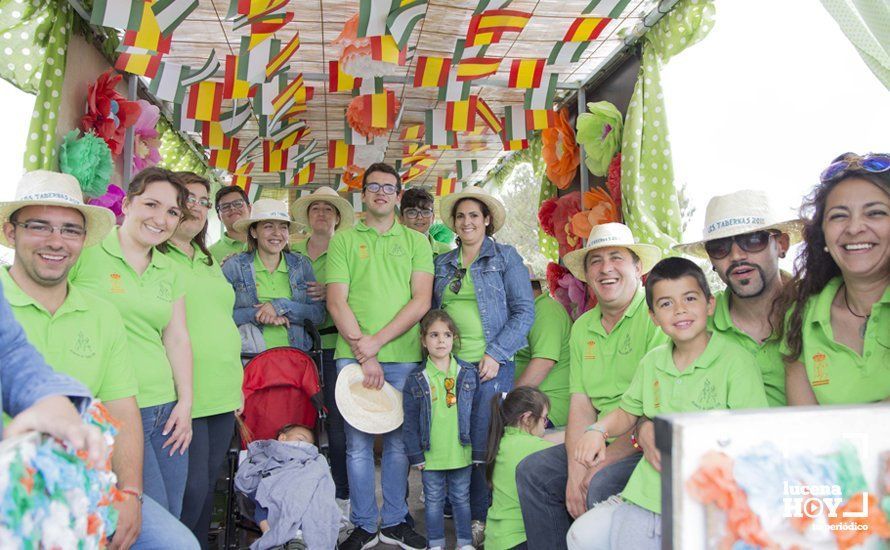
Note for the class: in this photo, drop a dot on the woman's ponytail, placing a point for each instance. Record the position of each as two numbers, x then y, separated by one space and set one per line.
496 427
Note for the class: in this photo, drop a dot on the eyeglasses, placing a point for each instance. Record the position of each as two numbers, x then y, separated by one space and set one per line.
203 201
450 398
40 229
874 163
412 213
458 280
226 206
749 242
388 188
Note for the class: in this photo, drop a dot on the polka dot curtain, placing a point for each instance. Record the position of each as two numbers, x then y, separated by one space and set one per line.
175 153
34 38
867 25
650 206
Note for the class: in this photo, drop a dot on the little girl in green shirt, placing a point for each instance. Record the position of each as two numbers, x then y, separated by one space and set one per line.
517 424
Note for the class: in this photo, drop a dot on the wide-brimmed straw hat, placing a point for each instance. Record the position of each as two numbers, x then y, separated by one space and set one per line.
738 213
495 206
299 210
45 188
265 210
608 235
367 410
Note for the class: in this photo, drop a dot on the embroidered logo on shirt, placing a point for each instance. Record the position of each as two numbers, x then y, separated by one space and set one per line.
625 345
363 253
656 390
820 368
165 291
707 398
589 353
396 250
116 287
82 346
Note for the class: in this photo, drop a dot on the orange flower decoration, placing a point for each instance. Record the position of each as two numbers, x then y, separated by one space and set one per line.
598 208
352 177
560 151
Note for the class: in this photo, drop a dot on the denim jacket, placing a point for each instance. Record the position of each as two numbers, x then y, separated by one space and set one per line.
25 378
418 413
239 270
503 292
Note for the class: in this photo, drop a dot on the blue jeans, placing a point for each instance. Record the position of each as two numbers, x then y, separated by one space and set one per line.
334 425
211 438
393 469
457 483
163 476
161 531
480 495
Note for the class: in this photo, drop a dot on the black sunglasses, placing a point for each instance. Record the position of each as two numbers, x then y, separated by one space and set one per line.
749 242
458 280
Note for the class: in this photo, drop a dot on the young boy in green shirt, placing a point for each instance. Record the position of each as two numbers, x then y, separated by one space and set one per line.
697 371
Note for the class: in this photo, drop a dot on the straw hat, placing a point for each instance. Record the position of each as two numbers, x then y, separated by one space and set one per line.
607 235
299 210
738 213
265 210
369 411
495 206
45 188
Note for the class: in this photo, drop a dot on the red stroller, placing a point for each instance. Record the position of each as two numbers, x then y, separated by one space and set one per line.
281 386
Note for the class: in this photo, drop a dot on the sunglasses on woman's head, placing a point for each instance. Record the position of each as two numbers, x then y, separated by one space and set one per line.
749 242
873 162
458 280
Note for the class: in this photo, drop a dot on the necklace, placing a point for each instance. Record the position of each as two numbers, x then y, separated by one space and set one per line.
866 317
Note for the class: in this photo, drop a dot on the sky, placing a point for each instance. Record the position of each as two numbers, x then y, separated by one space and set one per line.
765 101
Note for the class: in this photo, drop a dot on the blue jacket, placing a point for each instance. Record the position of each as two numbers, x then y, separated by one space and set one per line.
239 270
25 378
472 430
503 292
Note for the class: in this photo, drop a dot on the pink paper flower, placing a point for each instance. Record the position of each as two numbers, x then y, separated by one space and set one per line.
147 142
113 200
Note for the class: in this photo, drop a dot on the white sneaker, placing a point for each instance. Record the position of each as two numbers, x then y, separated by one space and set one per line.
478 528
435 548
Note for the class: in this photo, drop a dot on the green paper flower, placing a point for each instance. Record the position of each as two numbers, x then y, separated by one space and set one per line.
89 160
441 234
599 131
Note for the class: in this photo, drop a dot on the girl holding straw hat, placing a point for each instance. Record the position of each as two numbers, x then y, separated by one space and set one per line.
271 282
484 286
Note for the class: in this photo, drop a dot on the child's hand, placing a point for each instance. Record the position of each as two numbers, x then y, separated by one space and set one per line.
591 448
646 439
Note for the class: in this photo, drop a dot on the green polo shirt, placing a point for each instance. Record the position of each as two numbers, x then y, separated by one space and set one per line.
725 376
270 286
438 246
84 339
319 267
216 343
446 451
225 247
603 364
464 309
768 354
145 302
549 339
838 374
504 528
378 268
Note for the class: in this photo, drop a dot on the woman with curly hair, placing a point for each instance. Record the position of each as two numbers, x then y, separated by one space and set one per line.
837 341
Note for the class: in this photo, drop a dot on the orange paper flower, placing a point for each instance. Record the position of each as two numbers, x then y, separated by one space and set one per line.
560 151
352 177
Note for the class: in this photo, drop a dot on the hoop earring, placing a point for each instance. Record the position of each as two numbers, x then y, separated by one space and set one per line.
825 248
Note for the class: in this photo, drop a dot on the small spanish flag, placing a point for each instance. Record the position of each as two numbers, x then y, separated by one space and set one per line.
234 87
149 34
460 116
139 63
526 73
477 67
487 27
340 154
306 175
446 186
384 48
279 61
338 81
515 144
242 180
540 119
412 173
286 97
212 136
491 120
205 100
378 110
225 159
274 159
412 133
585 29
431 72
